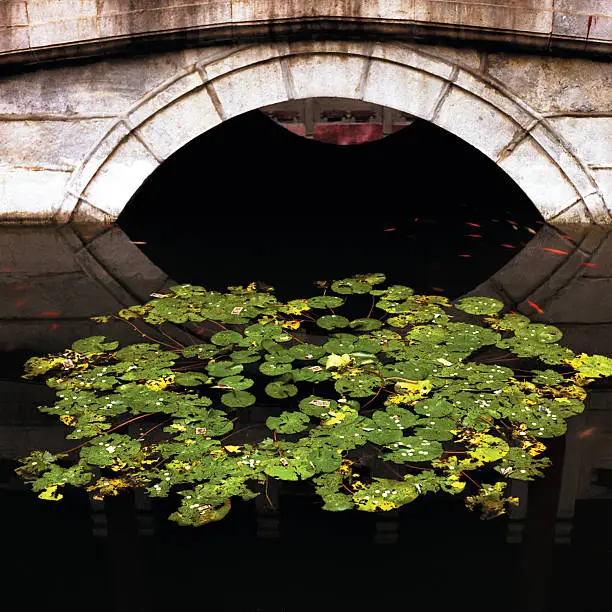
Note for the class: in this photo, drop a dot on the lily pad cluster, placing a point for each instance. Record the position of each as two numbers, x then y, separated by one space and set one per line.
425 388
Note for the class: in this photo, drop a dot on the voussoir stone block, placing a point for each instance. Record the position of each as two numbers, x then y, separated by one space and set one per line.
178 123
120 176
476 122
241 58
418 59
567 162
402 88
248 89
326 76
540 178
163 95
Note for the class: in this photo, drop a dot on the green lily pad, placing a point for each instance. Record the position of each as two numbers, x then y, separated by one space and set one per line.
238 399
288 422
325 301
281 390
332 322
226 338
93 344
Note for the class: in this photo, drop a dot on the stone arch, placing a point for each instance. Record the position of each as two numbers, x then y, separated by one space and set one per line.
461 101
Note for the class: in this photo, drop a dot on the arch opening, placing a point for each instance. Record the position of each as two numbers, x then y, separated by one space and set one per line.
421 205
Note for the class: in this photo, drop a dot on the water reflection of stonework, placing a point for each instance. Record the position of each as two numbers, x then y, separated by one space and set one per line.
56 278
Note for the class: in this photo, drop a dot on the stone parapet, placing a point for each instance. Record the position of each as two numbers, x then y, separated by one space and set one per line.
37 30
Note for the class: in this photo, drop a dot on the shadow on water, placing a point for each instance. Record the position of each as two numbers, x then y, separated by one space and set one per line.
552 554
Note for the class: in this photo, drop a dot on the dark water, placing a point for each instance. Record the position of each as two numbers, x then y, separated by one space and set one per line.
308 212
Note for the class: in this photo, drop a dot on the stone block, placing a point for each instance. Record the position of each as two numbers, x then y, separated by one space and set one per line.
590 19
317 76
414 58
472 119
61 32
589 137
564 158
519 15
44 11
157 18
163 95
120 176
243 57
13 13
600 212
459 56
30 194
555 84
102 88
265 10
539 178
490 93
97 157
174 126
14 39
402 88
251 88
603 176
50 143
575 213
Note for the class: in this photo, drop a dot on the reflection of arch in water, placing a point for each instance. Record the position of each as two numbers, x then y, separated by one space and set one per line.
205 94
79 274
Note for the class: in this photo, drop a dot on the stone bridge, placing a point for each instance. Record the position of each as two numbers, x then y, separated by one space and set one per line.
96 94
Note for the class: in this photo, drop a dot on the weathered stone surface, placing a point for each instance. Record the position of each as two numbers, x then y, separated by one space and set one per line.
527 22
417 58
568 163
603 177
49 143
30 194
120 176
47 34
405 89
541 180
43 11
476 122
460 56
14 39
246 56
98 88
590 137
176 125
246 90
321 76
583 18
554 84
165 94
